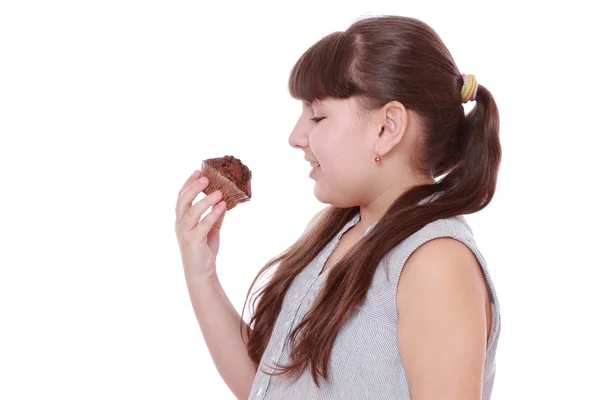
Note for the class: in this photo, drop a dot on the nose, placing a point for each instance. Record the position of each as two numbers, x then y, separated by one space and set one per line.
299 136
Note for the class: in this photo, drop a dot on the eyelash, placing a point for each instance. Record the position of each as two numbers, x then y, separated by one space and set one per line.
316 120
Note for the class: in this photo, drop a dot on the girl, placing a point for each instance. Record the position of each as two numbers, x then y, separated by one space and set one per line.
386 295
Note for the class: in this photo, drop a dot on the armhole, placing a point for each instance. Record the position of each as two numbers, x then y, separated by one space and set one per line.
439 229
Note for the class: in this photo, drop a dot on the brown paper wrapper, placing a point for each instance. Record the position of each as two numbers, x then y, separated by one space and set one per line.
232 195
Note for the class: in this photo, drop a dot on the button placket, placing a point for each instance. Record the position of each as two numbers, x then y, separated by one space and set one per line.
309 287
299 300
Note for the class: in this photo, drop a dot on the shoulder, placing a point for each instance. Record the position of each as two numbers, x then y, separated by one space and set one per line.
455 227
443 249
442 261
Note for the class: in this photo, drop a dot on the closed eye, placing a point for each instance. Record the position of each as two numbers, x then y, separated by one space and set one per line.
316 120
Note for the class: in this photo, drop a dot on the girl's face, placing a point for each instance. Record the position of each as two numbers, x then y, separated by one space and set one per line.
341 138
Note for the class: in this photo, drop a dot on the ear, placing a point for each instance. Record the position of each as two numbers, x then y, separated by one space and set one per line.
394 118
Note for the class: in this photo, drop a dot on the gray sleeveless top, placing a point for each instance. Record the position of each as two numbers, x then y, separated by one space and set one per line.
365 362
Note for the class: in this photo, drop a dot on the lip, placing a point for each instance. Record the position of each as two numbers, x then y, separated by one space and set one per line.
313 171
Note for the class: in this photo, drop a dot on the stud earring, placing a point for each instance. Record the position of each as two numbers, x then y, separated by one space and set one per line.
377 158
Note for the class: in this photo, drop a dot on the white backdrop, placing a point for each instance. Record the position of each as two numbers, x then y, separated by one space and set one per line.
107 107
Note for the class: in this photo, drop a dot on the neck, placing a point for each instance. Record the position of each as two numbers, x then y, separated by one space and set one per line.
372 212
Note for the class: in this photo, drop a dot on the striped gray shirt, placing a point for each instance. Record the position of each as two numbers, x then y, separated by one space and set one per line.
364 362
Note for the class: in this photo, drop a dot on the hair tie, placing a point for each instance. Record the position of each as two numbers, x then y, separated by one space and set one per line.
469 88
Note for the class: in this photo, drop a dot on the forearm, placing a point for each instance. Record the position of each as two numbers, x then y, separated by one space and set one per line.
220 325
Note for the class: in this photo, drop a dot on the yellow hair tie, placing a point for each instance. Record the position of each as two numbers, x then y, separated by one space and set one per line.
469 88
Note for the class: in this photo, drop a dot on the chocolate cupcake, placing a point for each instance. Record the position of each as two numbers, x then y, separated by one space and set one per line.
229 175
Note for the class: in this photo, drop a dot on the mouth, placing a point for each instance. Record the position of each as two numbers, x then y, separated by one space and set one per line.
315 167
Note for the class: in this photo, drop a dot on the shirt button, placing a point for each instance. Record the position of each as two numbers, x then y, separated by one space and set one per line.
259 391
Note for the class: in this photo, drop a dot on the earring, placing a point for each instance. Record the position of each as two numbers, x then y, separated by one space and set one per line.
377 158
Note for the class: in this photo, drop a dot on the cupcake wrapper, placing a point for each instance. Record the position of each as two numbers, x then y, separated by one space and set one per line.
232 195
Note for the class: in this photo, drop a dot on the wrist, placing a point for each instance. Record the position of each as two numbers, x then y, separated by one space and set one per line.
201 280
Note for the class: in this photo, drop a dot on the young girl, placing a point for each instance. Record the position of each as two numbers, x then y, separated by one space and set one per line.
385 295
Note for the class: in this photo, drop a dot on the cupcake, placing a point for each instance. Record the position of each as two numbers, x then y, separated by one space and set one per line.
229 175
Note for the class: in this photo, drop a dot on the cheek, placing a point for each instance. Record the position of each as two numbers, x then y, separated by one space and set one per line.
335 147
335 164
320 145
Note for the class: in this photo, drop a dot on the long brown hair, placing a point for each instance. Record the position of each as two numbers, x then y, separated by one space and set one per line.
378 60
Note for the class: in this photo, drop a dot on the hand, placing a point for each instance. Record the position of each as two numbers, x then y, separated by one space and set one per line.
198 239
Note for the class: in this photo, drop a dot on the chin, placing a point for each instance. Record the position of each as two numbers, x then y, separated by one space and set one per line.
319 195
334 198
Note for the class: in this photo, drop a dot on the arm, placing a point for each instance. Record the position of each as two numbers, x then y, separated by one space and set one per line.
442 332
220 326
219 323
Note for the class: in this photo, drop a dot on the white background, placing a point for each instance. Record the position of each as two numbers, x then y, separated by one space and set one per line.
106 108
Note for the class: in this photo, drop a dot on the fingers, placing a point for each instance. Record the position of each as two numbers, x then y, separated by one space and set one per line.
193 214
219 222
210 220
189 181
184 202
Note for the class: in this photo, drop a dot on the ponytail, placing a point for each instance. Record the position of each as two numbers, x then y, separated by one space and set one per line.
476 158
